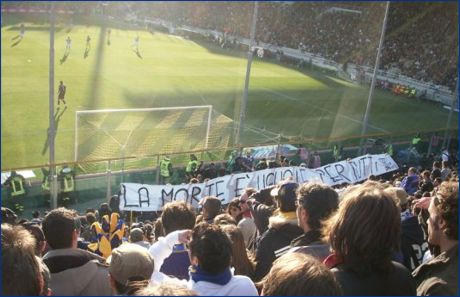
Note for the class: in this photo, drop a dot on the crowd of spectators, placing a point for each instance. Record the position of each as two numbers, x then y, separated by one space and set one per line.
420 40
385 236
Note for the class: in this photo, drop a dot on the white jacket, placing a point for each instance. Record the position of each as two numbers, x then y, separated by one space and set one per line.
239 285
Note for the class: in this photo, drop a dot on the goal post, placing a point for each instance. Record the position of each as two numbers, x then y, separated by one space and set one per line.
107 133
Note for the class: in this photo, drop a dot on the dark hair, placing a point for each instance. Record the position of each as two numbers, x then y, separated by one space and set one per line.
158 229
212 248
21 270
90 218
148 230
36 214
319 201
263 196
366 229
446 203
213 206
177 216
235 202
287 196
296 274
8 216
58 226
104 209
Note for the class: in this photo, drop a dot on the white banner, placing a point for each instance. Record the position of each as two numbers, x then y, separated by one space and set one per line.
140 197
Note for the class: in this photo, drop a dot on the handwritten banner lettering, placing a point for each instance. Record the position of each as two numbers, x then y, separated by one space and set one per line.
139 197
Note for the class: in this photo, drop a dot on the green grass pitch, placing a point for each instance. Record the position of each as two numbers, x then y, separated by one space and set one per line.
172 71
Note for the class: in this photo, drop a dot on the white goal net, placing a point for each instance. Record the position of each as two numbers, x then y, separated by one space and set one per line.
116 133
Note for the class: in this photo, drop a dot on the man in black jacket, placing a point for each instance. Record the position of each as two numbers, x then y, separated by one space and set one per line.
315 203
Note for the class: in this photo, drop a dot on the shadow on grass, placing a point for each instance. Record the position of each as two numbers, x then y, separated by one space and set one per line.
16 43
138 53
64 57
57 118
86 54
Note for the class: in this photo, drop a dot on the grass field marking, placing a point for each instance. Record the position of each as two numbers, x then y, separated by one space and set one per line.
323 109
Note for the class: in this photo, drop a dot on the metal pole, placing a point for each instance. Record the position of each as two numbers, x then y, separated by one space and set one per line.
109 181
51 130
208 127
157 179
446 140
362 148
244 99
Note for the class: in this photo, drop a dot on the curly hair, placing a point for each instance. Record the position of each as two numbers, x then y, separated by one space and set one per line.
212 247
446 203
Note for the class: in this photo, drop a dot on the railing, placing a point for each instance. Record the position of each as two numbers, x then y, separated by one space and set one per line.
97 180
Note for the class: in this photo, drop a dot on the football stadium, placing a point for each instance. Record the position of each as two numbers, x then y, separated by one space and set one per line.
128 115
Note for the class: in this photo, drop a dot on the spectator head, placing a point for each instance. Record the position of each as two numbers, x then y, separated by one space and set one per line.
89 209
61 227
224 219
35 214
8 216
399 195
366 229
177 215
129 263
104 209
37 233
211 207
412 171
136 235
90 218
158 229
296 274
248 192
443 210
426 174
168 288
372 177
240 260
193 157
148 230
285 195
210 248
233 209
21 270
437 181
316 202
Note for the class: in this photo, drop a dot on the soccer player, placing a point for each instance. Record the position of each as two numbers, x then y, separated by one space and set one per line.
61 93
109 31
22 31
136 43
68 44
